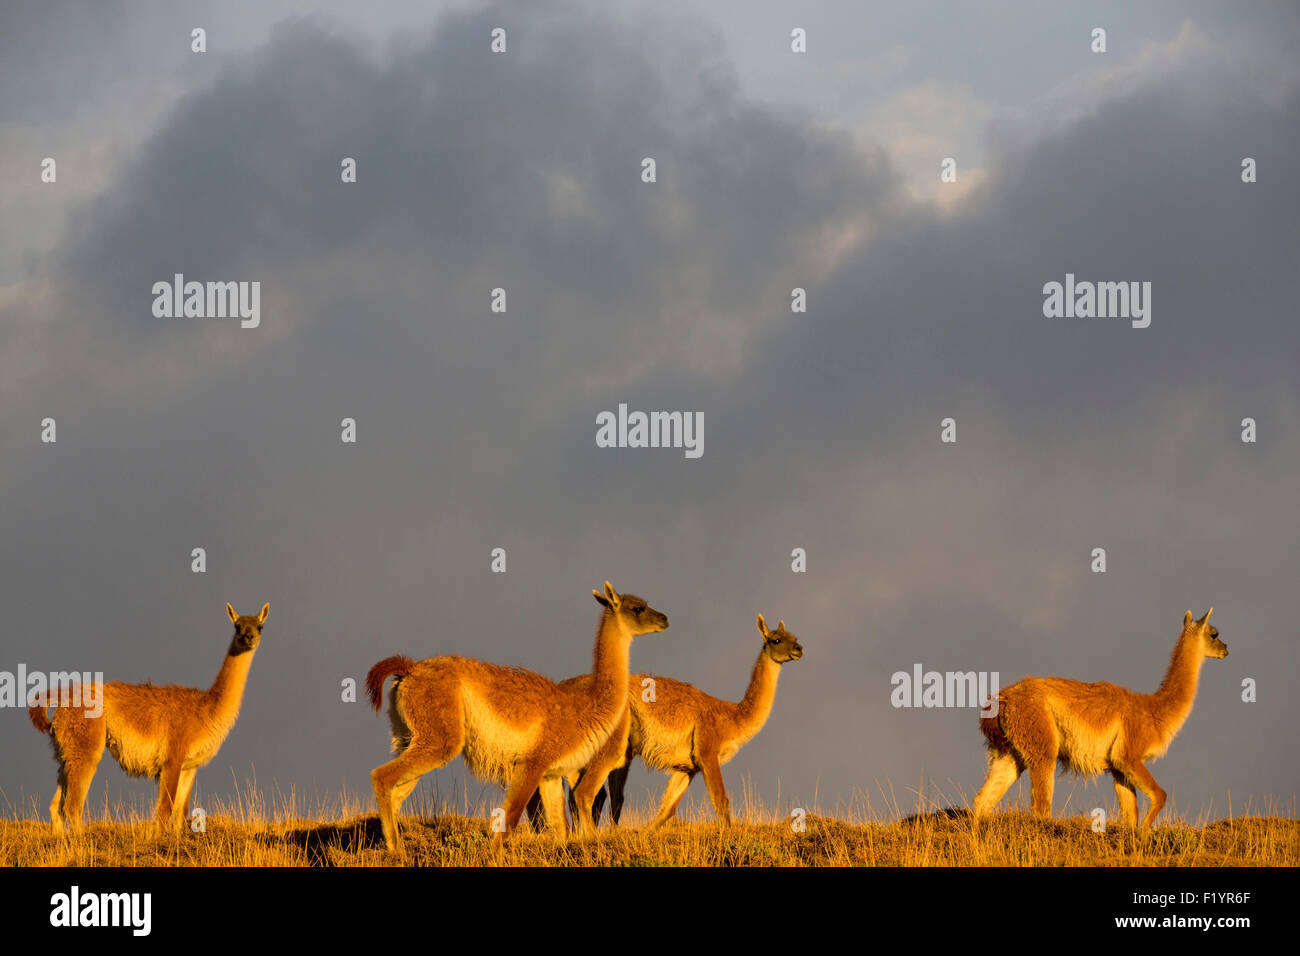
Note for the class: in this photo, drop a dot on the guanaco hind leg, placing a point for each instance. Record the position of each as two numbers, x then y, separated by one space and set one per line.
616 784
1004 770
81 742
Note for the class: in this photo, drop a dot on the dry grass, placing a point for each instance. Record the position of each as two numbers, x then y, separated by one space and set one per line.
249 832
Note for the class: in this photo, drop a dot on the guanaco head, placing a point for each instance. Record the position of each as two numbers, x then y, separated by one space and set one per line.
637 616
781 645
248 629
1207 633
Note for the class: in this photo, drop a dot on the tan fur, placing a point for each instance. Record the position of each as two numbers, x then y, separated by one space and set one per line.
1091 728
685 731
514 727
163 733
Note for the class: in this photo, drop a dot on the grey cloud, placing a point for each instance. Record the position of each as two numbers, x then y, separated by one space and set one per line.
476 430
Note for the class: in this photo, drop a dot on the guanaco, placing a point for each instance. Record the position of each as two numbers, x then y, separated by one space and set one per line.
163 733
514 727
680 730
1089 728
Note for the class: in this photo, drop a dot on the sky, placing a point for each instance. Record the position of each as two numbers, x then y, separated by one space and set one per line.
476 429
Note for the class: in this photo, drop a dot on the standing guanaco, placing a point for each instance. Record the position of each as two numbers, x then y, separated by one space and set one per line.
514 727
680 730
163 733
1094 727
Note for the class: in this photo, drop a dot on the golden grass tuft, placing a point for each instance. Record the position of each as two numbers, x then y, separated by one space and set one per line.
249 831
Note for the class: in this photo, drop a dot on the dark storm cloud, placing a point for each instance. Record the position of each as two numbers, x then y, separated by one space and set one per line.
821 430
55 55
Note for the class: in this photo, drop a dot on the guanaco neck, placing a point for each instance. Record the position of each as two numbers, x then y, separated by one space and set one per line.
609 670
753 710
1174 697
228 689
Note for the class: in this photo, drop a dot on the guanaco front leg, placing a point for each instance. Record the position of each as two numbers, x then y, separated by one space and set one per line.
168 784
717 789
552 792
184 787
1143 780
527 779
608 758
1127 797
673 793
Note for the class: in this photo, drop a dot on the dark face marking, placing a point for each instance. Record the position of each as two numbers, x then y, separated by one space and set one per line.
248 634
783 647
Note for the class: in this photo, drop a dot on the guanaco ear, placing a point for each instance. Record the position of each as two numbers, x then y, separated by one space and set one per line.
762 626
614 599
1187 618
601 599
780 625
261 618
231 611
1206 619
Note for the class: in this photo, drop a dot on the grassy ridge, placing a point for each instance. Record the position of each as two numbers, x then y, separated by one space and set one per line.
245 835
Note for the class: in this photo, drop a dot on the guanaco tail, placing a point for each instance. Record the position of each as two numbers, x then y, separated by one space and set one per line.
162 733
514 727
1089 728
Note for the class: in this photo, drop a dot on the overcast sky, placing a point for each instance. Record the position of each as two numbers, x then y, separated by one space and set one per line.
476 430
